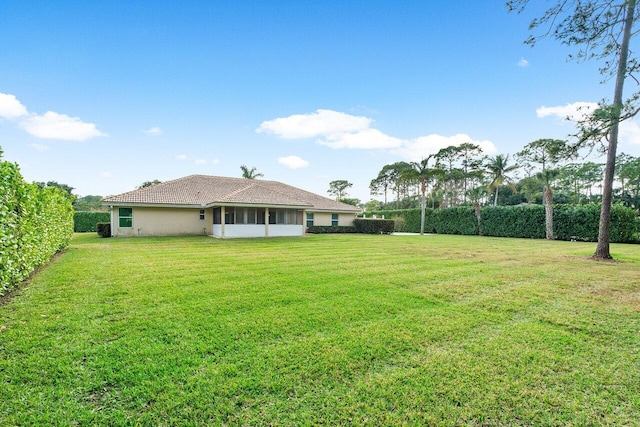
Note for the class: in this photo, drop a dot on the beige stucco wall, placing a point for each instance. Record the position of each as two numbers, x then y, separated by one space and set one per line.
163 222
324 218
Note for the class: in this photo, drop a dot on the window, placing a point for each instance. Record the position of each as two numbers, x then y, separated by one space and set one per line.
309 219
334 220
217 216
125 217
230 216
252 216
291 217
285 216
201 214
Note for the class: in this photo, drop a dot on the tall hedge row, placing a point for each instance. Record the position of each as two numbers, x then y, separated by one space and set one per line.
88 221
457 220
514 221
569 222
374 226
410 218
35 223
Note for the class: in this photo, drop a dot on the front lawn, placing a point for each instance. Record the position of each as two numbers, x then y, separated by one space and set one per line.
326 329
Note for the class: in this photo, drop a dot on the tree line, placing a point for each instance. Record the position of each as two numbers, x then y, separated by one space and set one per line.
545 169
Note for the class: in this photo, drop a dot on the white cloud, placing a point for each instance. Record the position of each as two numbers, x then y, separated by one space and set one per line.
630 132
10 107
365 139
106 174
523 63
293 162
181 157
339 130
570 112
321 123
52 125
154 131
420 148
39 147
198 161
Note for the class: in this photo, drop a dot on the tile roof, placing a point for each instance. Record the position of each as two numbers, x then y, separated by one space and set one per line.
205 190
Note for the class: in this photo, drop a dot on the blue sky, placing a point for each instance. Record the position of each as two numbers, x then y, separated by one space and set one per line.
103 96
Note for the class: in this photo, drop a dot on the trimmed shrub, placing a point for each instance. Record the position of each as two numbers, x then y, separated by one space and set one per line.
513 221
398 223
35 223
327 229
87 221
527 221
456 220
582 223
624 224
374 226
576 222
104 229
411 217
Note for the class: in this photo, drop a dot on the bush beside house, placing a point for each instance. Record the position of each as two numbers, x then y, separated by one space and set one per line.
103 229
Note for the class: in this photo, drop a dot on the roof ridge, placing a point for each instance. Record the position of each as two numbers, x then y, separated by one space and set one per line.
284 194
239 190
254 184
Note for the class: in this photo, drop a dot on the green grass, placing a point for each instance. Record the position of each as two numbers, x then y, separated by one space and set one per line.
327 329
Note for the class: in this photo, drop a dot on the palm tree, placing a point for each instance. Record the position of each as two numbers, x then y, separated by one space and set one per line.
547 152
548 176
475 194
471 165
250 173
420 172
498 169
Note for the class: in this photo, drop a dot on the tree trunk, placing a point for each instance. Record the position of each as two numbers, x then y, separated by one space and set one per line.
495 200
478 212
548 212
604 231
423 206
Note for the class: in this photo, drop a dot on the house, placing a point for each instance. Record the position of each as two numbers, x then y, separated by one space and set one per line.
223 207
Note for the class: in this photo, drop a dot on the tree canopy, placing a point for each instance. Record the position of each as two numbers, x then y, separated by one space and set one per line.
250 173
338 188
149 183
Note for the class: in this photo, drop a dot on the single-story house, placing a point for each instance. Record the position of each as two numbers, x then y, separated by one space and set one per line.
223 207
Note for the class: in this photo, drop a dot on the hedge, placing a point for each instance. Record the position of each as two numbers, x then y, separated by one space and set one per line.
87 221
457 220
325 229
410 218
35 223
513 221
570 222
374 226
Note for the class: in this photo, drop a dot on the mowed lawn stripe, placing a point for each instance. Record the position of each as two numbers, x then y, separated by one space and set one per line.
336 329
